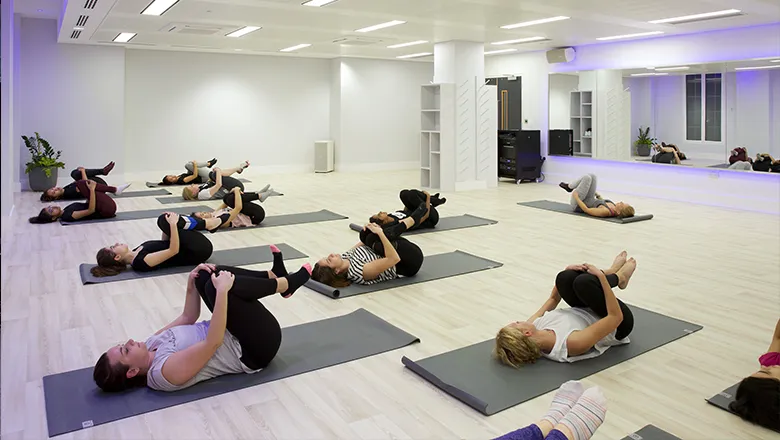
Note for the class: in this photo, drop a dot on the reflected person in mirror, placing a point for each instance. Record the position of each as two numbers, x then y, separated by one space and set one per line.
584 198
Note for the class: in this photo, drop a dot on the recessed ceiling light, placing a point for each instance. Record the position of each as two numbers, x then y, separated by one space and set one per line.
411 43
533 22
317 3
672 68
519 40
380 26
296 47
238 50
775 61
493 52
159 7
641 34
706 15
243 31
649 74
124 37
415 55
756 68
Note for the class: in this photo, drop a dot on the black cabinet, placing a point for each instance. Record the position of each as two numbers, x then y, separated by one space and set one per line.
519 154
561 142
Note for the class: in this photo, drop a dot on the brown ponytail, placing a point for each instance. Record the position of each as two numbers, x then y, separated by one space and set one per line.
113 378
328 276
42 217
107 265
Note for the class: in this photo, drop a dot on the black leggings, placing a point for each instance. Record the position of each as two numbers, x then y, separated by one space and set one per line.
194 247
583 290
92 174
255 212
227 182
411 255
412 199
256 329
663 158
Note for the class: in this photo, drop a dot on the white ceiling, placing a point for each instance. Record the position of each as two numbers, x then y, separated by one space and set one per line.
286 23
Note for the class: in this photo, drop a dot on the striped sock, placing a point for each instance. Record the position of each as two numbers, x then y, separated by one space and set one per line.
587 415
563 401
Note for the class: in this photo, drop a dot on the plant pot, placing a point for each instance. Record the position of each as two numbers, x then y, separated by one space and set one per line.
643 149
39 181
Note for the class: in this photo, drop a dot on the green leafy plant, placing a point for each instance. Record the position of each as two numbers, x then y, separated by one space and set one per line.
43 155
644 138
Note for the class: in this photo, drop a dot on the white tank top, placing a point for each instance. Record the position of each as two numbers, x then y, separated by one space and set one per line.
566 321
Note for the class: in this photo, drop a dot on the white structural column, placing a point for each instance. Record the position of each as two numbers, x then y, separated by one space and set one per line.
469 160
7 141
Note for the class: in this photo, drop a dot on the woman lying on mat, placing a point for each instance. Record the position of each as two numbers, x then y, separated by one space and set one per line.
98 204
178 247
237 211
668 154
241 337
381 255
758 395
584 198
595 320
197 172
412 199
71 192
575 414
219 186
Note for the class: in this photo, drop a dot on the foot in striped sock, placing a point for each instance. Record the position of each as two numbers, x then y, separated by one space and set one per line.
587 415
278 268
563 401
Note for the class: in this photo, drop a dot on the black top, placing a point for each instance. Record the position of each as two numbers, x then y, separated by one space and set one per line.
396 218
147 248
71 192
67 213
180 180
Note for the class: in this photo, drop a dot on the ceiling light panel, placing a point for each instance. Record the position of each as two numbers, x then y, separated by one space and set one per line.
699 17
535 22
376 27
243 31
415 55
294 48
159 7
494 52
620 37
318 3
124 37
411 43
518 41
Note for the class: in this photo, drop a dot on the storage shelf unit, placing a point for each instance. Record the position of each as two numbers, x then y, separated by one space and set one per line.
582 122
437 102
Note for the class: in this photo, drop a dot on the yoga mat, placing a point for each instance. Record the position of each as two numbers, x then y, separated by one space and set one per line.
473 376
227 257
156 184
445 224
147 193
74 402
723 399
170 200
720 165
651 432
137 215
566 209
434 267
293 219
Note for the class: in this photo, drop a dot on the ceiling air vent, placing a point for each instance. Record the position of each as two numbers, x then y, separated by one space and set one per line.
90 4
75 34
82 21
194 29
356 41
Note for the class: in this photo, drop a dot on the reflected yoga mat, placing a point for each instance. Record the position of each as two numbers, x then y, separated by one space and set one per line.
74 402
434 267
293 219
723 399
137 215
445 224
566 209
227 257
473 376
146 193
720 165
157 184
651 432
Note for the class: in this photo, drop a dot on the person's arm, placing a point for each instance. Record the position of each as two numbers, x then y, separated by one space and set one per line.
373 269
83 172
162 256
194 174
183 365
191 311
581 341
600 211
548 306
91 209
775 345
218 183
676 158
239 205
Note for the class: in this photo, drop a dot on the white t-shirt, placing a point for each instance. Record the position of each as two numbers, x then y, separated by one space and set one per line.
566 321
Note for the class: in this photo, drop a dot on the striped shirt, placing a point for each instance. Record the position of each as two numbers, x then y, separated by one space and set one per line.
359 257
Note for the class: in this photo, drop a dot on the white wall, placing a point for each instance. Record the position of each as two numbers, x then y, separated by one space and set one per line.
185 105
641 105
561 86
73 95
774 126
380 113
753 104
6 106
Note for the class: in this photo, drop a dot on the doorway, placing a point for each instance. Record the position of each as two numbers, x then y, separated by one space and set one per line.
510 102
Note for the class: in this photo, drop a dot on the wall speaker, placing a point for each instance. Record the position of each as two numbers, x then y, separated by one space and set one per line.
562 55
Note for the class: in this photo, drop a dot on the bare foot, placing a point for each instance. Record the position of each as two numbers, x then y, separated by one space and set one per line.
620 260
625 272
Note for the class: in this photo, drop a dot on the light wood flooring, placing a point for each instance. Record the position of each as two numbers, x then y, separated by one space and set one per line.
716 267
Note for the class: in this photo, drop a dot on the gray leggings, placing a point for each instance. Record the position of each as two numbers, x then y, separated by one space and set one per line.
585 187
741 165
203 169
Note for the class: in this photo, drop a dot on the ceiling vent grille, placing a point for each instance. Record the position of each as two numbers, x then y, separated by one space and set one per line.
356 41
90 4
82 21
193 29
75 35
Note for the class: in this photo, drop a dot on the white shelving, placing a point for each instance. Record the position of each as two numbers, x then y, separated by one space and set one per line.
437 121
582 124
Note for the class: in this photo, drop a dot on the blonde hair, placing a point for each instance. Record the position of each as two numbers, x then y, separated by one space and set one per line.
627 211
514 348
187 194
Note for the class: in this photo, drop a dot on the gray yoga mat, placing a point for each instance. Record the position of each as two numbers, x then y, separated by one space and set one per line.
227 257
145 193
293 219
157 184
434 267
566 209
445 224
473 376
73 401
720 165
137 215
651 432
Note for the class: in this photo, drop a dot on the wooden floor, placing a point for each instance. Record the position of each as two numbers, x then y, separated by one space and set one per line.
714 267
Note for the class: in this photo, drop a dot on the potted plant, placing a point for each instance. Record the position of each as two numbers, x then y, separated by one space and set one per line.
43 164
644 143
